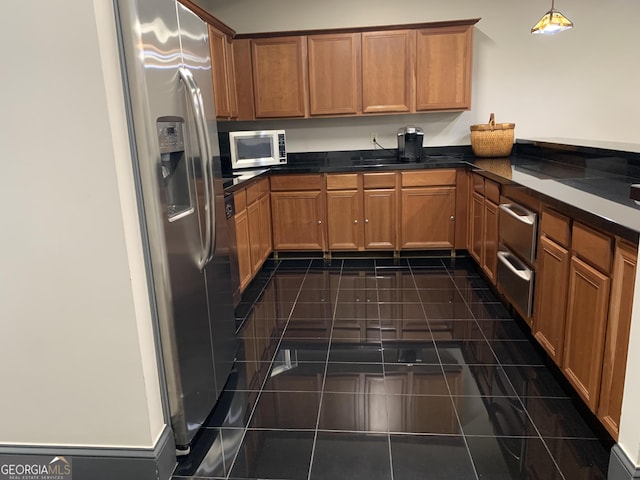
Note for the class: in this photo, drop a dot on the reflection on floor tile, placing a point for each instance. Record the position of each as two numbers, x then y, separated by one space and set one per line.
351 455
274 454
390 369
441 457
512 458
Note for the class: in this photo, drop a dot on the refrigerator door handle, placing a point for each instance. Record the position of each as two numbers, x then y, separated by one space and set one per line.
205 157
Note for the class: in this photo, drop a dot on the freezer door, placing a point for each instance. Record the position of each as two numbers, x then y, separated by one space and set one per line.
218 274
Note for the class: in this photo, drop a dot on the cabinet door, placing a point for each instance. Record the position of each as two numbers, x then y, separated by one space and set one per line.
380 219
243 78
231 78
387 71
552 282
334 74
265 227
428 216
279 76
587 306
218 47
244 248
476 226
617 341
344 219
255 235
298 220
443 68
489 253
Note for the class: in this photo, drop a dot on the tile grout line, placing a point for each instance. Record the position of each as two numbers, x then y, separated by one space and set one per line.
253 409
464 438
384 376
326 364
524 409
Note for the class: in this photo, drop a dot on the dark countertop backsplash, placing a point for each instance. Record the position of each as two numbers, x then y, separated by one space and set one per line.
595 181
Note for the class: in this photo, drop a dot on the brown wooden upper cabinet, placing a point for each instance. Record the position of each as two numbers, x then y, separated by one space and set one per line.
244 78
359 71
443 68
279 76
334 74
223 72
387 71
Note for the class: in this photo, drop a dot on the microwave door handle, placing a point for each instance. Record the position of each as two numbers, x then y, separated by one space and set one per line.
202 135
505 259
527 217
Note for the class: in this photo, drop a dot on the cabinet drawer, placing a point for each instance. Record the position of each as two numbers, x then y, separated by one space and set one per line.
555 226
240 200
296 182
253 192
379 180
478 183
492 191
592 246
427 178
346 181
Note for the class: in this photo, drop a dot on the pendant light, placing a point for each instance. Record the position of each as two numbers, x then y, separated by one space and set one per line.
552 22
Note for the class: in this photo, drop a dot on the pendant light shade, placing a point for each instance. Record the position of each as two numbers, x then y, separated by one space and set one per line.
552 22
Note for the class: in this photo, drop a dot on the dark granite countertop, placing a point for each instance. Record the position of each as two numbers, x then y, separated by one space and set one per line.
592 183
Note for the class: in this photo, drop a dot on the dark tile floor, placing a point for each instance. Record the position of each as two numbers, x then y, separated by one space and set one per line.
383 369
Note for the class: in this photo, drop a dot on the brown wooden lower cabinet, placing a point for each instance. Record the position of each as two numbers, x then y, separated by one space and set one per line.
476 216
490 240
344 220
243 245
587 306
428 218
298 220
255 235
380 219
617 339
483 235
552 284
253 229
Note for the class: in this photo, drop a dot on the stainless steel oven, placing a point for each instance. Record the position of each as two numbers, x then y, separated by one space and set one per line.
518 227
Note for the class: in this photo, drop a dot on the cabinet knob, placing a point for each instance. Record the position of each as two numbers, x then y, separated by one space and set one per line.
319 222
452 218
355 221
366 220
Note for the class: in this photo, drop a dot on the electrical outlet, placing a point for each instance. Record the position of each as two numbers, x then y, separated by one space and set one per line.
374 137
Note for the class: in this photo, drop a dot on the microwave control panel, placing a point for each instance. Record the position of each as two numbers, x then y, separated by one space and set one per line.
282 149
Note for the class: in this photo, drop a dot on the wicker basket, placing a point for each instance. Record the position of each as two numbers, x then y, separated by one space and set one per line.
492 139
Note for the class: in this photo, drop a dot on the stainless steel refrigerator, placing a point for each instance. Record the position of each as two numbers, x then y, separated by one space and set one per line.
169 96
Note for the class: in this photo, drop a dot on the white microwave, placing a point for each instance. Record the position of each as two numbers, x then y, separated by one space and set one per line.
253 149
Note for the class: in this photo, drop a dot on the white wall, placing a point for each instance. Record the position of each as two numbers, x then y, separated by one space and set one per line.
77 363
517 75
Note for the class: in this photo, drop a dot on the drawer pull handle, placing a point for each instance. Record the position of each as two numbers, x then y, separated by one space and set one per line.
521 214
506 259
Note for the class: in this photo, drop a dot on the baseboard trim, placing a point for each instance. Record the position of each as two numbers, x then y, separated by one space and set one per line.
109 463
620 467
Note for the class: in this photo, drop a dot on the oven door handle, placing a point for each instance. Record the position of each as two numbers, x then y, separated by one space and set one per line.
519 213
509 261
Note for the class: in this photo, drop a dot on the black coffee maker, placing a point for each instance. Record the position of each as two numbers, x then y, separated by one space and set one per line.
410 144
